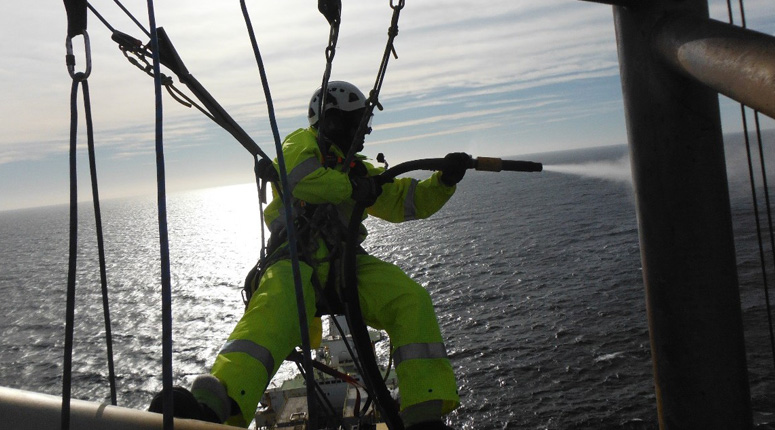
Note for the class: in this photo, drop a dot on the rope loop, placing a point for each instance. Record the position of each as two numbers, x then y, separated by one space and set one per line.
70 56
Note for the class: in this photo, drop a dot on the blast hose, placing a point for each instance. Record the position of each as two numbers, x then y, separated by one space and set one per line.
487 164
372 376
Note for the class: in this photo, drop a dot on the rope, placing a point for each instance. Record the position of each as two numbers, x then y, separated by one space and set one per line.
166 289
135 20
76 12
100 242
290 227
754 197
354 316
80 78
170 59
73 251
772 238
332 10
373 99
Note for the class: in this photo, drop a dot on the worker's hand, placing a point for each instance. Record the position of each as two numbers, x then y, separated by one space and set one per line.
455 166
366 189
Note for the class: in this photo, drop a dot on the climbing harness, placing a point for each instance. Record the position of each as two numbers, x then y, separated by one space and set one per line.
312 226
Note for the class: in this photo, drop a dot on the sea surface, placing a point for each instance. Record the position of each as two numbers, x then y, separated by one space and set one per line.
536 278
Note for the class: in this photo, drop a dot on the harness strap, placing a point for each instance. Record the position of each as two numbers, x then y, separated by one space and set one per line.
76 17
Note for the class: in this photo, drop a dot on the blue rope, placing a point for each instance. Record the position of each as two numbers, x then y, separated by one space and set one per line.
166 289
294 253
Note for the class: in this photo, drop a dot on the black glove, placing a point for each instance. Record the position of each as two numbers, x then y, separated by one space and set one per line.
455 166
366 189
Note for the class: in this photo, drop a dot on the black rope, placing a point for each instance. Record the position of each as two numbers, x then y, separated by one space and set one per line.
754 197
76 25
100 242
372 375
80 78
290 228
166 289
261 200
101 18
373 99
332 10
135 20
768 209
73 252
169 58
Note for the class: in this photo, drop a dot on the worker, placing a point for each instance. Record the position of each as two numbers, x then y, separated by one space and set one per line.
323 198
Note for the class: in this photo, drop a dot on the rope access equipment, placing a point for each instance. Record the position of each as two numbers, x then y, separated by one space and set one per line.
163 52
76 25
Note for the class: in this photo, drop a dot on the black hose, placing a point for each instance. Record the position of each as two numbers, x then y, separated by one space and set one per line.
371 374
480 163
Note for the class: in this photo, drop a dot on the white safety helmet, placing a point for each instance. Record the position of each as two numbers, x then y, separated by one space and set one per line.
341 95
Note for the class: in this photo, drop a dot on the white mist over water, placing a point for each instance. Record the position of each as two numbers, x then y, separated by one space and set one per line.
612 170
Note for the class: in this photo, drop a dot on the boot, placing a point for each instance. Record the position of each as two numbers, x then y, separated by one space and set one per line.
184 406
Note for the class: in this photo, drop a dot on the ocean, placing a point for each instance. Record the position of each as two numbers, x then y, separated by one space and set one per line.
536 278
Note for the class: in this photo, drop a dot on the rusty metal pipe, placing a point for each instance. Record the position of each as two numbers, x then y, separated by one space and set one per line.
684 219
733 61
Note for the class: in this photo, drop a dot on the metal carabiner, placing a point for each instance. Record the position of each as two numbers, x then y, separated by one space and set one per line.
70 57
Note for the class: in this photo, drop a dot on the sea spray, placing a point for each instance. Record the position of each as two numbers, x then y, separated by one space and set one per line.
613 170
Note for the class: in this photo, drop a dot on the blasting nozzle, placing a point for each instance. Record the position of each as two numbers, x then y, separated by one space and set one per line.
491 164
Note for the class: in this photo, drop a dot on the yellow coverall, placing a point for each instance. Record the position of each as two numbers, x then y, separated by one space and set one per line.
389 299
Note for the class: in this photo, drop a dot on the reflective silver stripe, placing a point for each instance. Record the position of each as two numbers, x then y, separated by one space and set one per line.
301 171
419 350
252 349
410 211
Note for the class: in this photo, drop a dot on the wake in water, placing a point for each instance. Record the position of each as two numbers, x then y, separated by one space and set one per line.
613 170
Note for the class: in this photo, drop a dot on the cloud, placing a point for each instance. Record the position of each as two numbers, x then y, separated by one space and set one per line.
504 67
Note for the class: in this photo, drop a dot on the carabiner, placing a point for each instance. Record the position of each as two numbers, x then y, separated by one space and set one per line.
70 57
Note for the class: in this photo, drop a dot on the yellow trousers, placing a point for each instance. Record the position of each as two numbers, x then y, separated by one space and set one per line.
390 301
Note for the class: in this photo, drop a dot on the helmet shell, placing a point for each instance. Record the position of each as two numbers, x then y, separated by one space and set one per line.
341 95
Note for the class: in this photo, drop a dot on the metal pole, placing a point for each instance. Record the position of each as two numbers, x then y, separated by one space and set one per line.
685 228
736 62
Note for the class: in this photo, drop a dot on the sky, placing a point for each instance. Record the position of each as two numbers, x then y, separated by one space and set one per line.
497 78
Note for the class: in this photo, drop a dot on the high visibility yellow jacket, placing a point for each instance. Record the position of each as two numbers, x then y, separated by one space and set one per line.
311 182
390 299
